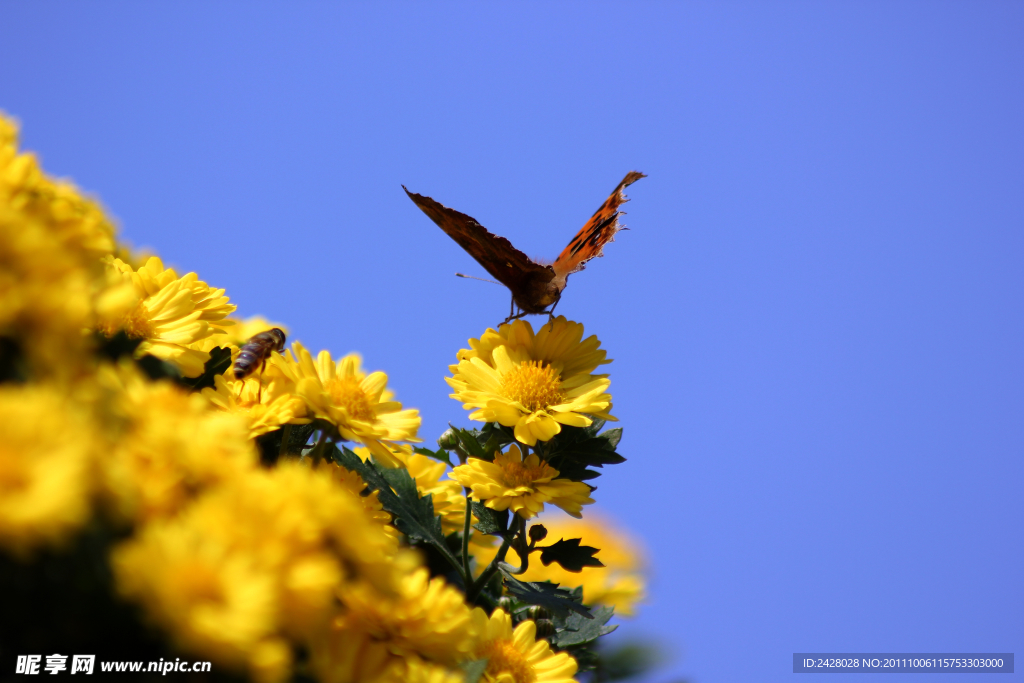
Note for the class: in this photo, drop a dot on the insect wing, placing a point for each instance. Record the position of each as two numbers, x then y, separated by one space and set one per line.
505 263
599 230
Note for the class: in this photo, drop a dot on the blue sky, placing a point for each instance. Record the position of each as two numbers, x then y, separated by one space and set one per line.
816 317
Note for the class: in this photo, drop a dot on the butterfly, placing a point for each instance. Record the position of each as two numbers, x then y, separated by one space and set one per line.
534 286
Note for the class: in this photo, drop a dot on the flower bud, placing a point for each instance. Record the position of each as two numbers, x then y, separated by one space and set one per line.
545 628
538 533
448 440
538 613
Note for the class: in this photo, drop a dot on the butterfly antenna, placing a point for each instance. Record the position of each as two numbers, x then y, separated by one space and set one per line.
470 277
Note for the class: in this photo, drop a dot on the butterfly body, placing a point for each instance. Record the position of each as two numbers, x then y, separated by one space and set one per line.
534 286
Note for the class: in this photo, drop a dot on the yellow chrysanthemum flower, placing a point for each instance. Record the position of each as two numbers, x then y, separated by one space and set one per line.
172 316
517 656
266 403
213 599
45 480
357 657
79 221
523 486
414 670
428 618
166 445
358 404
241 331
352 483
534 383
51 239
619 583
258 562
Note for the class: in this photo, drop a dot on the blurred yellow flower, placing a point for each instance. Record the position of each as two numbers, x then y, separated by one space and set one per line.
534 383
414 670
357 657
172 316
352 483
523 486
358 404
45 479
428 618
239 332
166 445
51 239
257 560
213 599
79 222
518 656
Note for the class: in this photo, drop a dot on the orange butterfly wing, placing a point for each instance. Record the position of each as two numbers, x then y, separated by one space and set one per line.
600 229
528 280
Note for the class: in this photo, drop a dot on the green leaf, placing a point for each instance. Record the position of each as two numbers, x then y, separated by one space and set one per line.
396 490
440 454
612 436
220 361
118 345
154 368
575 449
494 436
470 443
628 660
490 522
588 660
474 670
14 365
575 630
558 600
269 444
571 555
482 443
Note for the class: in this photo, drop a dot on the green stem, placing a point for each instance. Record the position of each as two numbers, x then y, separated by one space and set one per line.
318 450
491 570
286 436
467 576
522 549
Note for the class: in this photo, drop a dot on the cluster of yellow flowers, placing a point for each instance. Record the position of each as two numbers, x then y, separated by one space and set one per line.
298 567
533 384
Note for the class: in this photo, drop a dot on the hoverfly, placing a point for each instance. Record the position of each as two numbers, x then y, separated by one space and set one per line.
257 351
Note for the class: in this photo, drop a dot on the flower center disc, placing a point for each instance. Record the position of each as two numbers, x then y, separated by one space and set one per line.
518 474
504 658
135 324
347 394
533 385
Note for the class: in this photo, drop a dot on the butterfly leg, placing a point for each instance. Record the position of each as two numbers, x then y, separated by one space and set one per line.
511 309
512 315
517 316
551 311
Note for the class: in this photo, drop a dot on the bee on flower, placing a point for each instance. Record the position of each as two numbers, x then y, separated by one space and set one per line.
254 354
